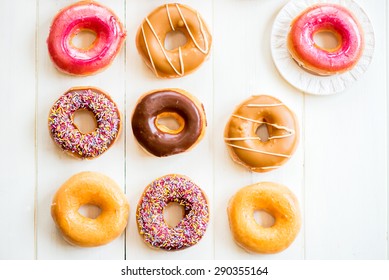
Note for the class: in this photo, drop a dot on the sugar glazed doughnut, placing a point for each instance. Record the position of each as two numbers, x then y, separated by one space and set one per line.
85 16
275 199
151 224
94 189
182 60
245 146
158 139
65 132
326 18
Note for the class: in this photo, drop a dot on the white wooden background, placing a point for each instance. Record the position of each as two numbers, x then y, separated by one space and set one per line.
339 171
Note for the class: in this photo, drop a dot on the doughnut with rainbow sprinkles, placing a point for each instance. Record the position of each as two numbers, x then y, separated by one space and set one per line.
149 215
65 132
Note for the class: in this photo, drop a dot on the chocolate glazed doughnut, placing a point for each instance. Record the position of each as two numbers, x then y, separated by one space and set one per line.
160 140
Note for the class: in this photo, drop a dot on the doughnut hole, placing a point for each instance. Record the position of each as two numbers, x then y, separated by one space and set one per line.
85 121
84 39
263 132
263 218
89 211
170 122
328 40
174 40
173 213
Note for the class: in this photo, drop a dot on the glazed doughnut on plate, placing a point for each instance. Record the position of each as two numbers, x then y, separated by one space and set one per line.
150 40
275 199
67 135
325 17
157 138
90 188
85 16
150 219
247 148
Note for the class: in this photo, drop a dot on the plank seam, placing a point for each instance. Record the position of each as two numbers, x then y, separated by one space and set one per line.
36 132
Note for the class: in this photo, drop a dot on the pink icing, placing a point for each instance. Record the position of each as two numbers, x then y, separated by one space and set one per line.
69 137
329 17
151 223
85 15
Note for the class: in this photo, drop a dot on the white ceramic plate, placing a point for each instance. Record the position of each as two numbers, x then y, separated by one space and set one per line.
296 75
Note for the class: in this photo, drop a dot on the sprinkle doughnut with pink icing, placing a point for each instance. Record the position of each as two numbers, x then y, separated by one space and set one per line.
150 219
85 16
331 18
66 134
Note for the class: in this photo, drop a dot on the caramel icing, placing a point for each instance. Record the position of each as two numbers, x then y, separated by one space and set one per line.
182 60
248 149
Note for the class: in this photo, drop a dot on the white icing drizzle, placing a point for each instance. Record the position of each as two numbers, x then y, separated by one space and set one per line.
204 51
258 151
170 19
241 138
291 131
269 167
265 105
255 137
148 51
165 54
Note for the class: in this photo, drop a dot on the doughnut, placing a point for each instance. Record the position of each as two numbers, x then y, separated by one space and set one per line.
149 214
180 61
245 146
158 139
85 16
331 18
65 132
90 188
278 201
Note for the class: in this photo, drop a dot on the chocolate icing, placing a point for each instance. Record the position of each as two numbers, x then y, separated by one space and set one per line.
155 141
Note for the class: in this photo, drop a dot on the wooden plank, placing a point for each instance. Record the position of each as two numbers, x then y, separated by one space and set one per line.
141 168
17 163
346 163
244 67
55 167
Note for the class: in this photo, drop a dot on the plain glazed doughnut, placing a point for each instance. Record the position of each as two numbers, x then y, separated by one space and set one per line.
85 16
275 199
159 140
149 215
94 189
182 60
66 134
244 145
326 18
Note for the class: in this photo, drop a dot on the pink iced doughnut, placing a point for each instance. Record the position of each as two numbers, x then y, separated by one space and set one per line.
326 18
85 16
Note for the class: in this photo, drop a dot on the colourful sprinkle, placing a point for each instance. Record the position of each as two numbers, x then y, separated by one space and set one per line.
151 223
69 137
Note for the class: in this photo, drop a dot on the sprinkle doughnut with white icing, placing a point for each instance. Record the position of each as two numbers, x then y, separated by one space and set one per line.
150 219
66 134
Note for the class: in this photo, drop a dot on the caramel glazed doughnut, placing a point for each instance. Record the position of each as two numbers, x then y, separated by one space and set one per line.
149 215
244 145
182 60
65 132
274 199
94 189
158 139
